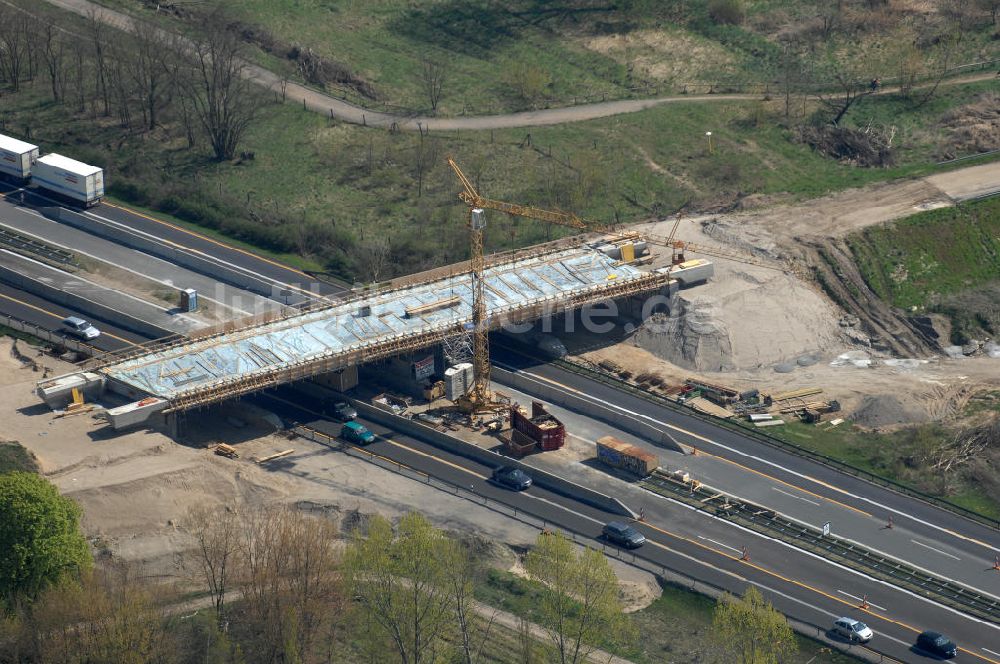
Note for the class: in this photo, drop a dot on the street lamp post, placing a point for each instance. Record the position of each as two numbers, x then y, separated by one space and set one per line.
709 135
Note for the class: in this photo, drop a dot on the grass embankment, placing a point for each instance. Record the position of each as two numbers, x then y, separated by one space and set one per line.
14 457
945 261
327 196
905 456
676 627
584 51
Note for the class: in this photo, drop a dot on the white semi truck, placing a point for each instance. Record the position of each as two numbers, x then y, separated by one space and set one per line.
17 158
68 178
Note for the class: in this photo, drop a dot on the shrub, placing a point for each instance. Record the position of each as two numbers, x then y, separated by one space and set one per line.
729 12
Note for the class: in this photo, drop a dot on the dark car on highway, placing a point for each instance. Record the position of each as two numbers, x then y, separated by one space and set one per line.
342 411
937 644
512 478
623 535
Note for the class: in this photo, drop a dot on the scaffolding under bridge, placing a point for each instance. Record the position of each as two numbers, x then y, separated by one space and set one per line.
229 363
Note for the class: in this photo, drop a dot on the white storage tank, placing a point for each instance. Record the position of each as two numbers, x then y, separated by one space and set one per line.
69 178
17 157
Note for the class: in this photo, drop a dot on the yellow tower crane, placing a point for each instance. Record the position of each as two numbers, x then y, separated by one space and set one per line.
480 396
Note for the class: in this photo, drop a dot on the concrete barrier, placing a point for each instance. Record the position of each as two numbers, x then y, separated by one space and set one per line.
490 458
169 252
553 395
82 304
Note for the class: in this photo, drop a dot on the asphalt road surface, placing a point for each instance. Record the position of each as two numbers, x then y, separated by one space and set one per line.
33 309
801 585
923 519
241 260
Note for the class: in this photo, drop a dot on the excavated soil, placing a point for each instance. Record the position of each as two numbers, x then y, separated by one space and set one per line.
778 328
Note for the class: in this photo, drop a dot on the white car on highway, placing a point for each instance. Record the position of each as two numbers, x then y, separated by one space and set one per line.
80 328
854 630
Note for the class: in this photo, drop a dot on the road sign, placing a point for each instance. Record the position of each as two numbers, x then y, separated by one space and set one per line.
826 529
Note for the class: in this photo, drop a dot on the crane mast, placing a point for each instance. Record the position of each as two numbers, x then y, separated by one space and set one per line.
480 397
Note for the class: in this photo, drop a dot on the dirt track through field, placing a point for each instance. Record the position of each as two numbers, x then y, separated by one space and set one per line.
331 106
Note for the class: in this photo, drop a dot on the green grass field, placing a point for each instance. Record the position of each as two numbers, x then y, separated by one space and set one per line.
320 195
945 261
933 253
584 50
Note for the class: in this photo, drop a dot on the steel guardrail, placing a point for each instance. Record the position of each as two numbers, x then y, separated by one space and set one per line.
877 565
836 464
629 557
24 244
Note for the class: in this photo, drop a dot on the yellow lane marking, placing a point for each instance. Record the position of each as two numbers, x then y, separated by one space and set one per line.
800 584
217 243
431 456
55 315
675 536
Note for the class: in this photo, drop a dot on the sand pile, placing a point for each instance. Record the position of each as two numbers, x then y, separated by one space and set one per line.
692 336
746 318
880 410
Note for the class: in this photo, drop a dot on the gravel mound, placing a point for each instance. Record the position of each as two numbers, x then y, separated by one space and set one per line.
879 410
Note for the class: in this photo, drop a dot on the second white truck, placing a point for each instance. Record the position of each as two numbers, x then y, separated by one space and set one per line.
70 179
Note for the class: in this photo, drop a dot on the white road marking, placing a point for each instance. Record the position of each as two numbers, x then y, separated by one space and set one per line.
673 427
731 548
862 599
992 652
868 579
792 495
927 546
191 250
201 295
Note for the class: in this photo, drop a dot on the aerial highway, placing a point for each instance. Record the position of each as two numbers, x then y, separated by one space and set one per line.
825 484
49 315
805 587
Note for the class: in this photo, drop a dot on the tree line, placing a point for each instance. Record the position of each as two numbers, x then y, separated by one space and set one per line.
136 76
275 585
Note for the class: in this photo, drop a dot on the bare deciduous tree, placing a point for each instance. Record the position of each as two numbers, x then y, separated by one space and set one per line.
53 47
216 533
15 44
288 580
221 97
433 75
149 69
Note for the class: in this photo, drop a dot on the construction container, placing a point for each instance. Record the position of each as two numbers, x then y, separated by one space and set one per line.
619 454
17 157
458 380
541 427
69 178
516 444
693 272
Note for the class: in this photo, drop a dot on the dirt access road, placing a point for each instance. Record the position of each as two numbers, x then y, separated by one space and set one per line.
330 106
748 320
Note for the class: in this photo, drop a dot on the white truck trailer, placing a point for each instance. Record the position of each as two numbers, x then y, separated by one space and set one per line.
69 178
17 157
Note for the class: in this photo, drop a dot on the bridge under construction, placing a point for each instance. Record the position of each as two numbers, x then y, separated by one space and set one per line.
224 364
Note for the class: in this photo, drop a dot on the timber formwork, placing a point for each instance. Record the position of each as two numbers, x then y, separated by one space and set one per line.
228 363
